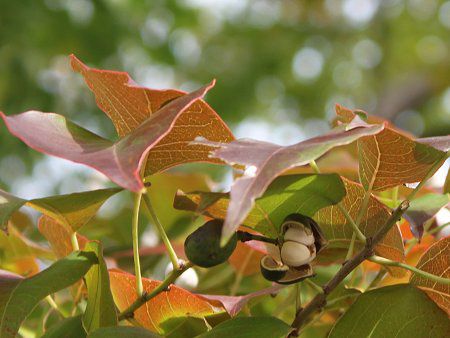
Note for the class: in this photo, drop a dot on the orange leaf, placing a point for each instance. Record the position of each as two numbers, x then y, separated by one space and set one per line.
174 303
128 105
391 158
436 260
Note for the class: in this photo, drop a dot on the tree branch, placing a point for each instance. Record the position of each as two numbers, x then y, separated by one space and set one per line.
320 300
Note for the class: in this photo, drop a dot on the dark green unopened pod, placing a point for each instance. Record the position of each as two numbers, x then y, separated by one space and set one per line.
202 247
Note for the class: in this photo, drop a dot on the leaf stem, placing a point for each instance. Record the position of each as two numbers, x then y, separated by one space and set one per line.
164 286
349 218
74 240
388 262
55 306
244 236
351 247
313 285
162 233
135 237
314 166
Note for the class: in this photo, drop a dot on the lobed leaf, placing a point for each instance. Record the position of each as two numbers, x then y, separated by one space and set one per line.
19 296
393 311
72 210
304 193
100 309
338 231
128 105
120 161
175 303
249 327
436 260
267 160
392 158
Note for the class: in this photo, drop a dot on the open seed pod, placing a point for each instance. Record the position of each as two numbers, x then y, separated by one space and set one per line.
202 247
273 270
302 221
283 274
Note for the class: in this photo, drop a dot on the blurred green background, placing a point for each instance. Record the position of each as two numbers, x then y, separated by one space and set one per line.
280 66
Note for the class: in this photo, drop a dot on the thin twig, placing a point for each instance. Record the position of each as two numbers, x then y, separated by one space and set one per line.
74 240
388 262
244 236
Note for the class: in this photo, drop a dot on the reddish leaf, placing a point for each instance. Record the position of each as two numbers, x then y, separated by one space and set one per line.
174 303
436 260
269 160
234 304
391 158
121 161
128 105
246 258
339 232
439 142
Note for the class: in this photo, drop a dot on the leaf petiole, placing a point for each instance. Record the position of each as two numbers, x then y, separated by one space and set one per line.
388 262
135 237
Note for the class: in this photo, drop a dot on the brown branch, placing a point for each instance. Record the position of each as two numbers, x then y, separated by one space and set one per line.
320 300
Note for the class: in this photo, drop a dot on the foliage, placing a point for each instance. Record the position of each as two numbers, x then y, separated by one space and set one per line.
353 223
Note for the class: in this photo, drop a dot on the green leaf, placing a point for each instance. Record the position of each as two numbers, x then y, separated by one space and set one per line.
262 327
393 311
100 310
72 210
122 332
18 296
305 194
68 328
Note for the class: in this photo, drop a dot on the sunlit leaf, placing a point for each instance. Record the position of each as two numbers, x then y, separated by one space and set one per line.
436 260
265 161
100 310
393 311
52 134
128 105
391 158
58 236
72 210
19 254
338 230
174 303
288 194
18 296
249 327
234 304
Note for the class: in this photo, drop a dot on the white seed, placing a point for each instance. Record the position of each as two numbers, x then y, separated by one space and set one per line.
295 254
302 235
273 251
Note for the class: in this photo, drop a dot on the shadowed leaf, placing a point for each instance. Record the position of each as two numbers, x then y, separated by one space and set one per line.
422 209
68 328
436 260
100 310
393 311
265 161
288 194
72 210
339 232
128 105
19 296
174 303
247 256
122 332
249 327
121 161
